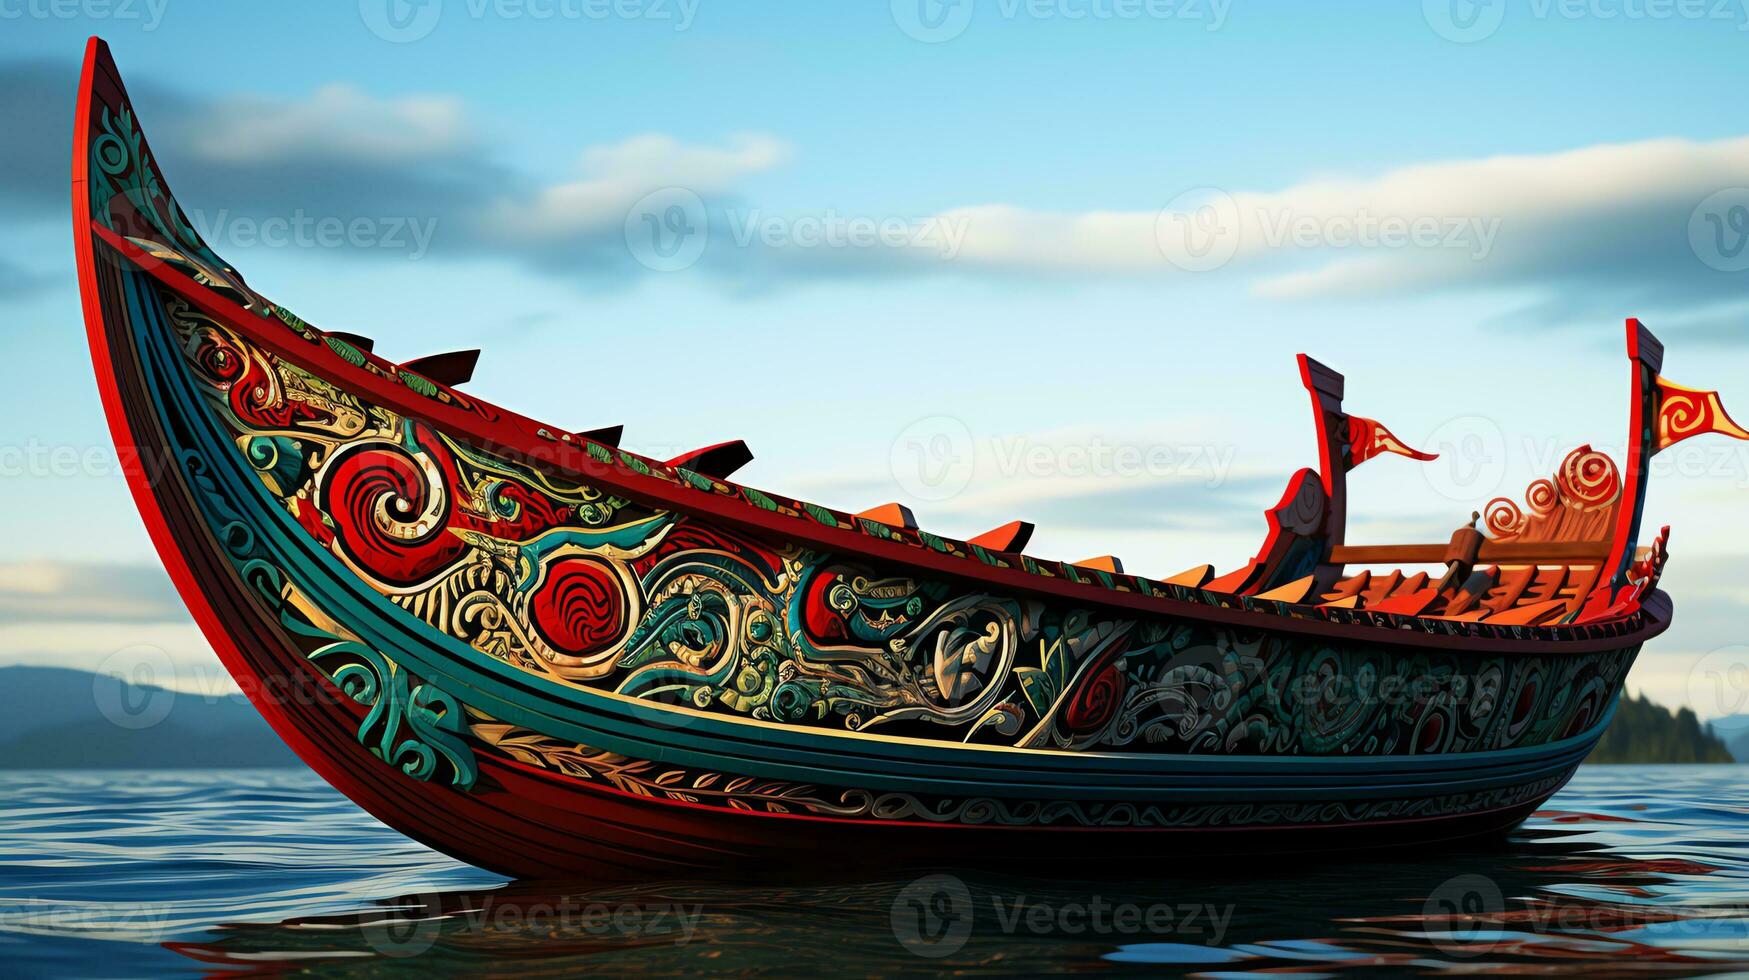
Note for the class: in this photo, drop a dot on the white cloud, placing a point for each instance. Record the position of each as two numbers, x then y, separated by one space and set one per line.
1616 215
335 122
612 178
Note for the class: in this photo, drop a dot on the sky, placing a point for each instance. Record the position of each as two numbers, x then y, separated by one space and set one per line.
958 254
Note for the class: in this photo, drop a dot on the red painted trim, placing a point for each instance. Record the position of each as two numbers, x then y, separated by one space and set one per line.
1646 357
575 787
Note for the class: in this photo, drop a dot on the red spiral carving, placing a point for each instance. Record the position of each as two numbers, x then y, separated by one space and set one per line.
1588 477
1502 518
1091 705
580 607
368 488
1542 497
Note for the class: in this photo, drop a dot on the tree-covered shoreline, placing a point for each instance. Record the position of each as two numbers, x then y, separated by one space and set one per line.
1644 731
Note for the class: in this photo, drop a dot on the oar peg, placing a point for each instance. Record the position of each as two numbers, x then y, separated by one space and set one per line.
450 369
1011 537
718 462
892 515
607 435
359 341
1194 577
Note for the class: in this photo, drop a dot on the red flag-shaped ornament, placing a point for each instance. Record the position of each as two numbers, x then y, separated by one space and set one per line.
1684 412
1368 438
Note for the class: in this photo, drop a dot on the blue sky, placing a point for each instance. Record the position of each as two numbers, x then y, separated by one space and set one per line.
1564 158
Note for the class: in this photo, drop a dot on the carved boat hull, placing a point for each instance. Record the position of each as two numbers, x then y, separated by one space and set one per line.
549 657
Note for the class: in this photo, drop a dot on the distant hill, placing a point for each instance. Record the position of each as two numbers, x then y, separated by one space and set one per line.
1734 729
53 718
1647 732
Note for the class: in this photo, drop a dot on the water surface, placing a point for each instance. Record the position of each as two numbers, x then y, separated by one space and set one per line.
1630 869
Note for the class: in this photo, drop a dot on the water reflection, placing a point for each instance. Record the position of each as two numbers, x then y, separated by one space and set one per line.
1551 900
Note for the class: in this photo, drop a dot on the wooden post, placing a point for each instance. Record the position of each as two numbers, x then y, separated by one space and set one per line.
1325 385
1647 357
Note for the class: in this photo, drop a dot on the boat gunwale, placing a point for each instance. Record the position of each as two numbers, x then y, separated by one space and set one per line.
532 444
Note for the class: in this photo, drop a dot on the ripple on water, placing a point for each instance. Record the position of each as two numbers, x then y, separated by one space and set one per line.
1630 869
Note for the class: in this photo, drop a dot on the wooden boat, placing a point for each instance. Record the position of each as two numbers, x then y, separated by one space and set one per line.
547 655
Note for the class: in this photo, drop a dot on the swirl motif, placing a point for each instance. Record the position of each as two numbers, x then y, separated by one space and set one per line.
1589 478
580 607
1503 518
1681 415
389 511
1542 497
1092 706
